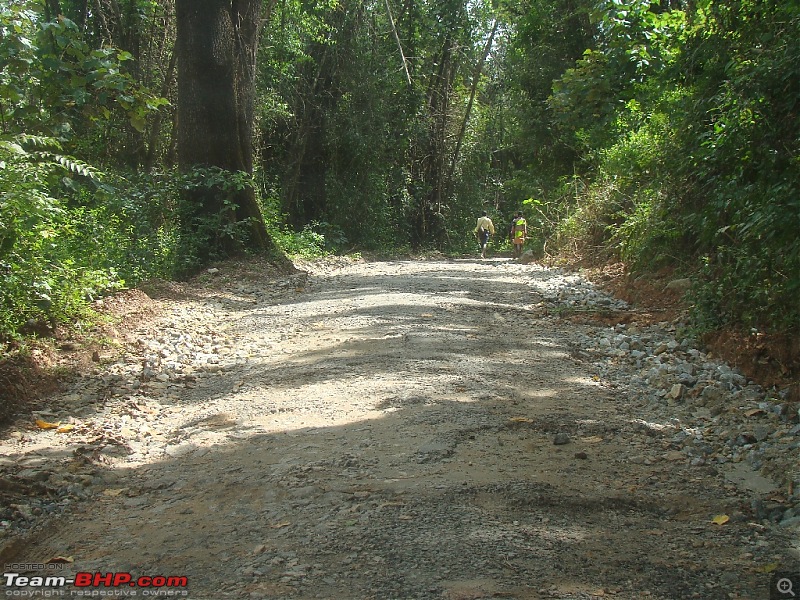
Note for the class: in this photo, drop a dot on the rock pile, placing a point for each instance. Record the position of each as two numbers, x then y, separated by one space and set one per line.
717 417
561 291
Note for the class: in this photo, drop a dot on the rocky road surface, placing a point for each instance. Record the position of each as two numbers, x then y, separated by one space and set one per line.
409 429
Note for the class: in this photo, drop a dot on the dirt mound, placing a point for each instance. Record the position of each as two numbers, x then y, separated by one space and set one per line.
31 371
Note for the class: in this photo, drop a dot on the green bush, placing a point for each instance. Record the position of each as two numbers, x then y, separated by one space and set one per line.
41 277
743 210
308 243
69 233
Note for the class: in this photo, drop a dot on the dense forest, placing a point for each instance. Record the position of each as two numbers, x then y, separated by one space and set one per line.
147 138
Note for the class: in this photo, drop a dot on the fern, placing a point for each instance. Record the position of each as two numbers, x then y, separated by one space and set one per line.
38 141
73 165
42 149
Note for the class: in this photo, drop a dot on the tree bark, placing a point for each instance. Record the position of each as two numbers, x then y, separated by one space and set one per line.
52 9
217 44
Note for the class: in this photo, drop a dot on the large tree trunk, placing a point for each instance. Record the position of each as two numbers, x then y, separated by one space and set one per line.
217 44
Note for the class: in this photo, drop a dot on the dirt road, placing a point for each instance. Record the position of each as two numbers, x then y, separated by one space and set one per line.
402 430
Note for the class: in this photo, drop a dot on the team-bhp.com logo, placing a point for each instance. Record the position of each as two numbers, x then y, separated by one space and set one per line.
94 585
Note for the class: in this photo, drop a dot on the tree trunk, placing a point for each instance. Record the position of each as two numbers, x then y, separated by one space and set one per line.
217 44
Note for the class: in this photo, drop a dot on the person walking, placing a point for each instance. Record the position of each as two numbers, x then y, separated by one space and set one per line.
511 228
483 230
519 232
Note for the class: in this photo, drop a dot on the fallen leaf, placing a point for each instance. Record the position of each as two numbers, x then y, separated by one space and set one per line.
721 519
426 315
65 428
47 425
280 525
770 568
521 420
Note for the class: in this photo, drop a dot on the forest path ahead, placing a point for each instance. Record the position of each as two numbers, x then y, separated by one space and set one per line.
409 429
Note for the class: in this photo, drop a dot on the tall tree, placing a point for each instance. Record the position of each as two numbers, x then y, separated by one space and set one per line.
217 45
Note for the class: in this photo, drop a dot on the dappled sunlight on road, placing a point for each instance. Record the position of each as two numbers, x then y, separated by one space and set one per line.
413 428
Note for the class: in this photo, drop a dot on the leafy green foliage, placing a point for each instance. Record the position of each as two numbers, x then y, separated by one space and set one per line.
41 278
659 133
683 122
745 209
206 211
56 255
69 231
55 84
308 243
353 142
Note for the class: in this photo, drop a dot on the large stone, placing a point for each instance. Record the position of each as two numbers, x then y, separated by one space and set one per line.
761 432
676 392
793 522
561 439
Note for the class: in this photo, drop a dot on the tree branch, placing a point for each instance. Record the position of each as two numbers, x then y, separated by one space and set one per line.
399 45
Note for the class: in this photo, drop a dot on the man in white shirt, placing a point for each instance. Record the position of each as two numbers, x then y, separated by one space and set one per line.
483 230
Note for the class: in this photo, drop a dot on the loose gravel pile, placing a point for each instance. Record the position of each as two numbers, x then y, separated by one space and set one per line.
409 429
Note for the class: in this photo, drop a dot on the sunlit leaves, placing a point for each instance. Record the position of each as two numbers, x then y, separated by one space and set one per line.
55 83
683 118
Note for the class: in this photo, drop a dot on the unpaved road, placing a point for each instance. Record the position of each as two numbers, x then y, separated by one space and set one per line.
386 430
